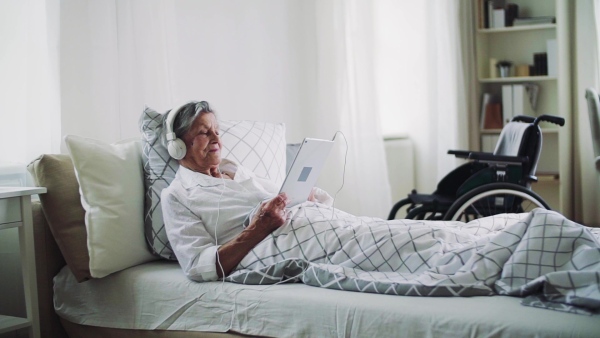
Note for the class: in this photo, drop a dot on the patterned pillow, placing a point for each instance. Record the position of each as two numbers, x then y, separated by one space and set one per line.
159 171
259 146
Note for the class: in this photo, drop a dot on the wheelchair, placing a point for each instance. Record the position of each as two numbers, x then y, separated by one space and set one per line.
490 183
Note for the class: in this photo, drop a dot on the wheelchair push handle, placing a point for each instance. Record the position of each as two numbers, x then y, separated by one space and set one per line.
552 119
523 118
542 118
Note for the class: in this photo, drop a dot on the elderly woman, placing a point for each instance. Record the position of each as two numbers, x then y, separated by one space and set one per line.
209 205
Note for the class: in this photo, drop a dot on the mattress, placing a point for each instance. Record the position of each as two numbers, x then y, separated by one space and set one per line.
157 295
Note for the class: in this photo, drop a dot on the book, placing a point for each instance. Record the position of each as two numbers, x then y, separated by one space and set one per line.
540 64
521 102
499 18
552 51
512 12
507 104
534 20
493 116
490 13
485 100
481 14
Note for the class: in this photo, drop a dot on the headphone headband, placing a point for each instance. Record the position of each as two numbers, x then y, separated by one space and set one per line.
175 146
171 119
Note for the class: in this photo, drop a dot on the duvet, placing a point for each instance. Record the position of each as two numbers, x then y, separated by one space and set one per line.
549 260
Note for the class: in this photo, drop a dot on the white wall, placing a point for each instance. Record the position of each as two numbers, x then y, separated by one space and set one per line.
250 60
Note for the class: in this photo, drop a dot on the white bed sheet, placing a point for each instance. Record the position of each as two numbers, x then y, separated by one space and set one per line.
157 295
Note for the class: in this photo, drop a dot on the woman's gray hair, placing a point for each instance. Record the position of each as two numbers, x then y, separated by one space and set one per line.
185 118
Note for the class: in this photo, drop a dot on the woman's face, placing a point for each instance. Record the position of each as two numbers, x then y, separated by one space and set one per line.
203 144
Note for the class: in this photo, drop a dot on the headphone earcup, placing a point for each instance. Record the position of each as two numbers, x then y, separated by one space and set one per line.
176 148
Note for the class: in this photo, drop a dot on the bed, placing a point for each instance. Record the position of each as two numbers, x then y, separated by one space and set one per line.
93 283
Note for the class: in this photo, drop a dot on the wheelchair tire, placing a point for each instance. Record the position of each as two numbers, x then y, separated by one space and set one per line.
492 199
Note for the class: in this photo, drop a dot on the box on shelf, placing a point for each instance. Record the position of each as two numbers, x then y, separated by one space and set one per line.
552 64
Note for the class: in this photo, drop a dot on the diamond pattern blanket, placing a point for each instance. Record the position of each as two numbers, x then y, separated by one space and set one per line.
549 260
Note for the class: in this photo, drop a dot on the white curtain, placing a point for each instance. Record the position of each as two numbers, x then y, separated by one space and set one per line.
587 74
117 56
449 72
425 71
29 85
346 101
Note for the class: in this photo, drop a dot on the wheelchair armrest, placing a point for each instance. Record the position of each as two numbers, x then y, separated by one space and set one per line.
489 157
460 153
468 154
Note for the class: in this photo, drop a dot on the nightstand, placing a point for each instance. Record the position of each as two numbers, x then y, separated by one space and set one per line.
15 212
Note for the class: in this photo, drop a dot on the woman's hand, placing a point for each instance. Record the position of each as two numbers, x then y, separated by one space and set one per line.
272 214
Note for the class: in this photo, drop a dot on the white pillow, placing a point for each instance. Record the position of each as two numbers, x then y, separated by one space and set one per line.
111 184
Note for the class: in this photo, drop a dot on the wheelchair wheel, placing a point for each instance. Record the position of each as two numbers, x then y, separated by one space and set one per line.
493 199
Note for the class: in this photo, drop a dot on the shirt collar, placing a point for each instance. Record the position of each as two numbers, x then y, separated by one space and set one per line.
191 178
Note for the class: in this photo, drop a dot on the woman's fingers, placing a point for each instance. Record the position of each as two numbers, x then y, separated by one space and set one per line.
273 213
284 198
278 202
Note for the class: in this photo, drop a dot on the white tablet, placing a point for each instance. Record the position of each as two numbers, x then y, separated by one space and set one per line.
305 169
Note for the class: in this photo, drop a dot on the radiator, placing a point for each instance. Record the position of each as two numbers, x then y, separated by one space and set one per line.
401 166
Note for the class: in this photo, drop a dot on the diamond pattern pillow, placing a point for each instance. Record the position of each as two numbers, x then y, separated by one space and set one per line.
159 171
259 146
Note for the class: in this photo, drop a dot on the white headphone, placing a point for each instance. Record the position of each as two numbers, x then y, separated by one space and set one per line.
175 146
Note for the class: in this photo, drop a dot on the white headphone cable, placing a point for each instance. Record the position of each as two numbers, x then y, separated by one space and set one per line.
216 227
343 172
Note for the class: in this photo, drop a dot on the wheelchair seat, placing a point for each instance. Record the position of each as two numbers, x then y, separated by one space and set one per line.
511 167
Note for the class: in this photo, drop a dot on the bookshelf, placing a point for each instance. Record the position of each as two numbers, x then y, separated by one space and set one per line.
518 44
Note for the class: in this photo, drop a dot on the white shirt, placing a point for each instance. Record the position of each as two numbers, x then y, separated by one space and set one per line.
202 212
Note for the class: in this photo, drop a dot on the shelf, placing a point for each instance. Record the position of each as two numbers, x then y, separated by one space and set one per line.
518 79
517 28
10 225
6 192
9 323
547 177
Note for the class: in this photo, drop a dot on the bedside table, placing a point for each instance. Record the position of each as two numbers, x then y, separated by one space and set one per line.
15 212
